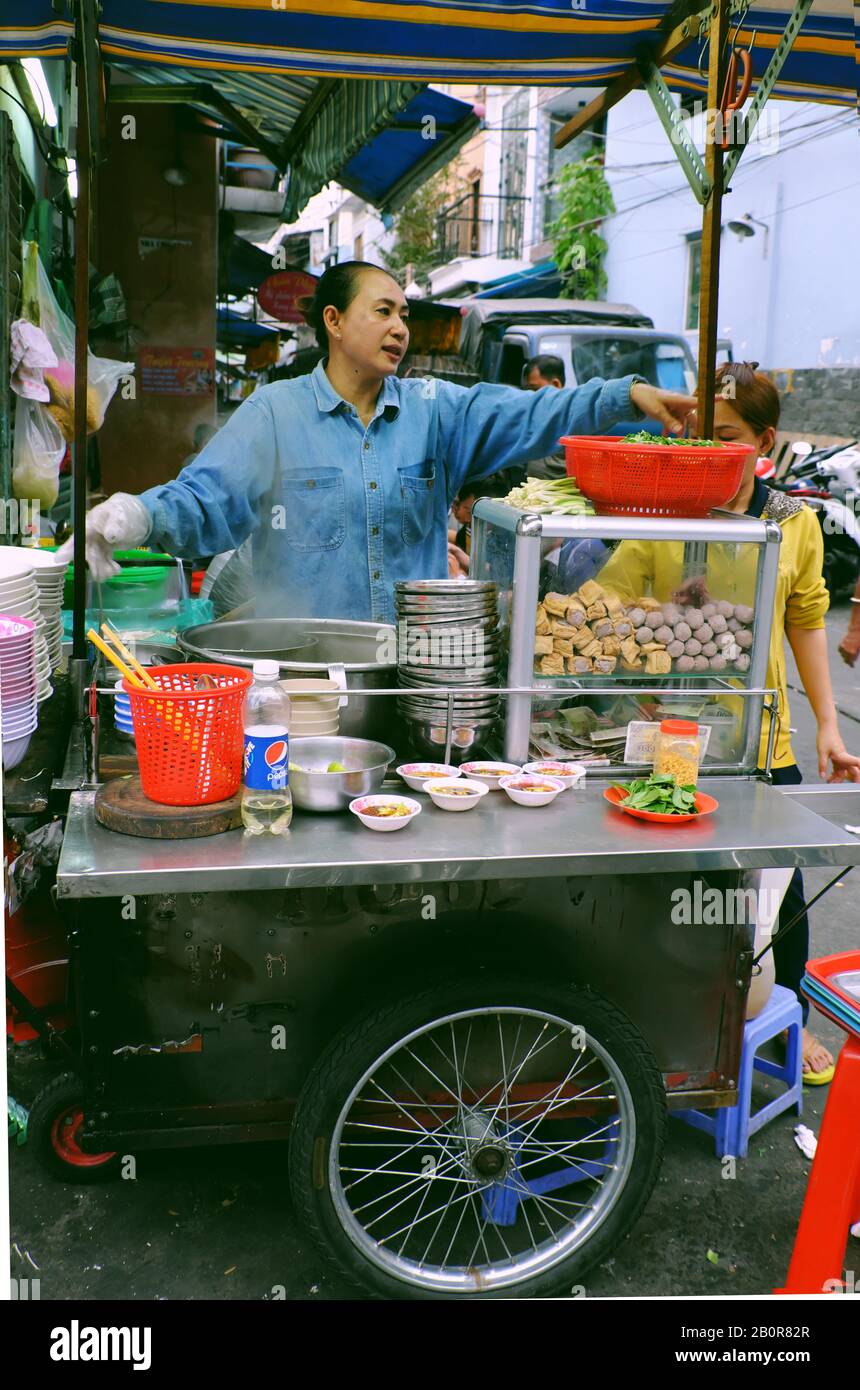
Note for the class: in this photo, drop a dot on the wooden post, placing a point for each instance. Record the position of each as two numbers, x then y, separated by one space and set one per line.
709 274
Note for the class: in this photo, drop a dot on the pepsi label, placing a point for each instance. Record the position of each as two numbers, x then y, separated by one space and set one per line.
267 758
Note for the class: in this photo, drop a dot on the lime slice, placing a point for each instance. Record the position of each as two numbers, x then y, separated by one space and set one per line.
335 767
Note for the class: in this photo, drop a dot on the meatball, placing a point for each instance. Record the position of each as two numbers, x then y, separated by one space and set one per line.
643 635
705 632
725 608
664 634
683 631
685 663
744 614
694 617
709 649
718 622
676 649
693 647
744 639
636 616
700 663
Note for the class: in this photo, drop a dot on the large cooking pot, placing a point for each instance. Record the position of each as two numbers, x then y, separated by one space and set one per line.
338 643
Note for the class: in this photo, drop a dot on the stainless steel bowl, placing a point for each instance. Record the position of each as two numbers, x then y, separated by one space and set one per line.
314 789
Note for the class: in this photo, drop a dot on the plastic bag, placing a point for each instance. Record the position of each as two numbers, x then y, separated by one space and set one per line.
37 455
103 373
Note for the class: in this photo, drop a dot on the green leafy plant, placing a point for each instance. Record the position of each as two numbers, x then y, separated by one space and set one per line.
643 437
585 199
659 793
415 225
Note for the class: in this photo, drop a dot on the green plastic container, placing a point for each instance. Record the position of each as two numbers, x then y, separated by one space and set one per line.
144 563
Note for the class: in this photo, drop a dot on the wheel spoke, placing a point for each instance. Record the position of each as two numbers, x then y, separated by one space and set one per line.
479 1241
465 1196
419 1178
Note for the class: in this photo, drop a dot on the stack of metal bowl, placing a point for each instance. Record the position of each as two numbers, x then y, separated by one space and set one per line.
447 635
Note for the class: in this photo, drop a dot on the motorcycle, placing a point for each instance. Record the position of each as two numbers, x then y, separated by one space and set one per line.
829 482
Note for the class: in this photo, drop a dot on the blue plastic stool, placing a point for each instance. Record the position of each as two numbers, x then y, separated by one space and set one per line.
732 1125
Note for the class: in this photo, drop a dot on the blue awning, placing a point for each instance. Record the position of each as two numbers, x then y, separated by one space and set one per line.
232 328
523 41
542 281
424 137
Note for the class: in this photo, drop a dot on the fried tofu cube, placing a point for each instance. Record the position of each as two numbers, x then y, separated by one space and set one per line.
658 663
583 636
552 665
563 645
593 649
575 615
589 592
560 629
596 610
543 644
604 665
612 646
614 606
542 623
630 651
579 666
556 605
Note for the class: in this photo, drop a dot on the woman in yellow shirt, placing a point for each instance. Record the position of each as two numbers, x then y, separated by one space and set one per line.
747 412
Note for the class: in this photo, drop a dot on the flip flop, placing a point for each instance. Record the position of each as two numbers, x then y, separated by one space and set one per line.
819 1078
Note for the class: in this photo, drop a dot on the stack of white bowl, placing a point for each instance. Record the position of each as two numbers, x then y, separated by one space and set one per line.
18 686
50 576
314 706
19 598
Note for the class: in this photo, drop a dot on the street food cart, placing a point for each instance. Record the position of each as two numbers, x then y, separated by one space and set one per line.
471 1031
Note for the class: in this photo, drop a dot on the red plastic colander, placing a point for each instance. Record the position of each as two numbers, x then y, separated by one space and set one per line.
189 741
653 479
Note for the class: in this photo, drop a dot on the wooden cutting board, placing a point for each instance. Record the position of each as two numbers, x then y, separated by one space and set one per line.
121 805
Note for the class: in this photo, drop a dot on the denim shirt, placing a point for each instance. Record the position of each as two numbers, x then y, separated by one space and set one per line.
340 512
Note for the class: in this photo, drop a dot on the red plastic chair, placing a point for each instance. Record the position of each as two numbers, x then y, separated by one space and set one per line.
832 1202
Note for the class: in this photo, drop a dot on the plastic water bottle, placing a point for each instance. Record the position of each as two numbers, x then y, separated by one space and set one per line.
267 802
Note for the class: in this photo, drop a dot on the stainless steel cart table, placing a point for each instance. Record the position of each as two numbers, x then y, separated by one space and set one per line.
471 1029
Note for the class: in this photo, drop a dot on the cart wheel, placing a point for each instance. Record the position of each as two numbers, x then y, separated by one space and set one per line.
54 1129
484 1138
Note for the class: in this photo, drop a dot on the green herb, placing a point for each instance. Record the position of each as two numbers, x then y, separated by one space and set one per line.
643 437
660 793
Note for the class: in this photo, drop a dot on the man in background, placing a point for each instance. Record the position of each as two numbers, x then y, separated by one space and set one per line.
540 371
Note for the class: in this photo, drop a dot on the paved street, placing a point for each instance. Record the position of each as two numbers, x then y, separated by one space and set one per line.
217 1224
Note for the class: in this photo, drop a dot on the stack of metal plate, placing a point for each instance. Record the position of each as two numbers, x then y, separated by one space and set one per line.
447 635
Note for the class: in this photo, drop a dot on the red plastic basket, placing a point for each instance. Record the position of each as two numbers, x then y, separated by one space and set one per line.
653 479
189 741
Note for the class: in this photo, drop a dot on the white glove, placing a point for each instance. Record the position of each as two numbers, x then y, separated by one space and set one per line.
119 523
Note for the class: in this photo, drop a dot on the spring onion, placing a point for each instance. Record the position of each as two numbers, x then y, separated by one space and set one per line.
555 496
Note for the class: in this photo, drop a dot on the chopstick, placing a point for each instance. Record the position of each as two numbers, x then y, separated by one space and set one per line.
115 660
114 637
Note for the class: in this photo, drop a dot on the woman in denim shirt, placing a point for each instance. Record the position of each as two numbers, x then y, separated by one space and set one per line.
345 476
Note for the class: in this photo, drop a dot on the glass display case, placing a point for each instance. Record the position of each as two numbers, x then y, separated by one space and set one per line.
618 621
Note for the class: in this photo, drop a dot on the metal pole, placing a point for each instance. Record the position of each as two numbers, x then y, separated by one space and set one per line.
82 288
709 282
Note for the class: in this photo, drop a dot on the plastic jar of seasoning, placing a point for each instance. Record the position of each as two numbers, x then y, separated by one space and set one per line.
677 751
